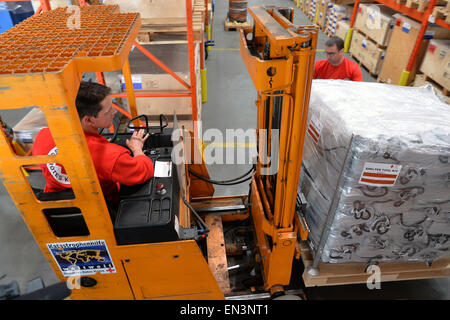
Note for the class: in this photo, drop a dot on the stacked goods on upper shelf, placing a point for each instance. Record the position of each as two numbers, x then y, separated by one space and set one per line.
324 8
440 11
373 24
337 12
398 53
312 9
165 20
436 63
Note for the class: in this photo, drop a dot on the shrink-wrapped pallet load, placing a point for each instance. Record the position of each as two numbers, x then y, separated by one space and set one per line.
376 173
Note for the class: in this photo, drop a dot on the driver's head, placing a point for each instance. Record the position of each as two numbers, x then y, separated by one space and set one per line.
94 105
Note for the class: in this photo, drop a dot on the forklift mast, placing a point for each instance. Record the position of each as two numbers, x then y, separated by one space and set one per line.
279 57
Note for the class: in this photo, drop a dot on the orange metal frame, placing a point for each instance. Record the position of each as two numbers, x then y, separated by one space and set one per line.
422 17
137 272
289 71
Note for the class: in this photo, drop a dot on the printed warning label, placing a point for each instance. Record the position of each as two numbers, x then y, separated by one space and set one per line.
314 128
380 174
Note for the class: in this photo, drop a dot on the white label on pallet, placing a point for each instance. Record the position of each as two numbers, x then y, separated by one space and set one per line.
380 174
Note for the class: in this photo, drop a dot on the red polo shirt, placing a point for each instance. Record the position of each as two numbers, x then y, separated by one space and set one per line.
347 70
114 165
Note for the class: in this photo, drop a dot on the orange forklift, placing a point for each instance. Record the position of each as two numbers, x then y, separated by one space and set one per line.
169 238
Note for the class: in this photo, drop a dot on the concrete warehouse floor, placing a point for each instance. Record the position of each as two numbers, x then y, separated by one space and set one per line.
230 105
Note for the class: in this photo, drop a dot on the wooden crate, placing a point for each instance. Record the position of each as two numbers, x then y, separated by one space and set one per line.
401 45
422 5
436 63
367 53
351 273
342 29
376 22
323 6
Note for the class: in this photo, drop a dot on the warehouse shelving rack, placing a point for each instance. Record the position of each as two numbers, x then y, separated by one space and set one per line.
423 17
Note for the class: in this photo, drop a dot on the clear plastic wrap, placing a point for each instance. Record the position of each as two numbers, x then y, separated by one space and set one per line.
376 164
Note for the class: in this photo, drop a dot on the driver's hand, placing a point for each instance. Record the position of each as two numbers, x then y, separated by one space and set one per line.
136 142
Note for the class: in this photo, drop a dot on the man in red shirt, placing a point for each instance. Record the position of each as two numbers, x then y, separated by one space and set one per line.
113 163
336 66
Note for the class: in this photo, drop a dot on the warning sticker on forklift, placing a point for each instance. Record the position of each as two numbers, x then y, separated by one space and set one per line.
380 174
82 257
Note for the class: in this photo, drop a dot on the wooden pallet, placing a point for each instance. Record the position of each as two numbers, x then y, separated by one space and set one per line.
351 273
441 12
234 26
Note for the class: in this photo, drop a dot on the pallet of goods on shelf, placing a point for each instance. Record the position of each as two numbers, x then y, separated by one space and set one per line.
442 12
436 63
398 53
312 10
164 21
367 53
338 12
324 8
422 5
376 22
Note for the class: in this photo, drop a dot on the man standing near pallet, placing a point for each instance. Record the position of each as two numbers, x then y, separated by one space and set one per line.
337 66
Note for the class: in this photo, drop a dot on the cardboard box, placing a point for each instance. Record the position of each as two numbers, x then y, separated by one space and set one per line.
436 63
367 52
401 46
376 21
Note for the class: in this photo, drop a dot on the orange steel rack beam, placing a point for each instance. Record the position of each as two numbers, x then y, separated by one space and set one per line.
41 65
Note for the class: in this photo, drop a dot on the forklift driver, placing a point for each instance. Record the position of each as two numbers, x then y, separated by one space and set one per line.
113 163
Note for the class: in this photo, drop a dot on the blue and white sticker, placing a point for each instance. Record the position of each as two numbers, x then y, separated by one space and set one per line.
82 257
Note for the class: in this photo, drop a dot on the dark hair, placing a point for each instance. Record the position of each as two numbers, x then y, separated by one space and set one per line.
338 42
89 97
